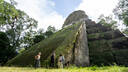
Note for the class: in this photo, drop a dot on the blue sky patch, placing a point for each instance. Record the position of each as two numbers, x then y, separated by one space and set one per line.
65 7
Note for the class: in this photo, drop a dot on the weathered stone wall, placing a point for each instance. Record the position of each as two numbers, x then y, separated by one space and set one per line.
106 46
81 53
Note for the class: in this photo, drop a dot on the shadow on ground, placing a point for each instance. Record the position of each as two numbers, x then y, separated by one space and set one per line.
125 70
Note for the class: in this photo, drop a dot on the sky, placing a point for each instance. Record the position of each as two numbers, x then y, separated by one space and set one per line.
54 12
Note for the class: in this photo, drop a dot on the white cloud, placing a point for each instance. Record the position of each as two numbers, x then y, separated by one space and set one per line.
94 8
42 11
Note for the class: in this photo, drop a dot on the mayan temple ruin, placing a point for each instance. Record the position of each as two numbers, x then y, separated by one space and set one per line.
82 41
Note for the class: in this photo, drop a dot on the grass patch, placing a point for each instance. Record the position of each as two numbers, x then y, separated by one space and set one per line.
70 69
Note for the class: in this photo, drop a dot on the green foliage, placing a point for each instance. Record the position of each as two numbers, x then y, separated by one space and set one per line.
107 21
6 52
38 38
125 32
121 11
4 45
34 37
28 39
8 12
52 29
48 33
16 23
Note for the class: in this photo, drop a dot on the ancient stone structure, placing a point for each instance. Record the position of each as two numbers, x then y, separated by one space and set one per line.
81 52
82 42
105 45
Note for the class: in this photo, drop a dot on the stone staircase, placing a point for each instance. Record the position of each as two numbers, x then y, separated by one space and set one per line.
106 46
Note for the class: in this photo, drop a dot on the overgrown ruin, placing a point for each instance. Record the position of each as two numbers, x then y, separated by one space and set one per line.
83 43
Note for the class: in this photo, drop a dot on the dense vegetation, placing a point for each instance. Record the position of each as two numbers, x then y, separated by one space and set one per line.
6 51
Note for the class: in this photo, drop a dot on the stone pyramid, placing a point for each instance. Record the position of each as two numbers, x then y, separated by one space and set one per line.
83 43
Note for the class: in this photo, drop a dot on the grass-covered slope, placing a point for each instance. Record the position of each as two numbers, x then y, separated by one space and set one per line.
60 42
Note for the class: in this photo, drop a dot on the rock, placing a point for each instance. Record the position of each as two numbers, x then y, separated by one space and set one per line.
81 53
75 17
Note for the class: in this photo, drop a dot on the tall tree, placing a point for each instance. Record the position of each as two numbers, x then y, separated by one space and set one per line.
7 12
121 11
50 31
51 28
38 38
107 21
28 39
16 23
